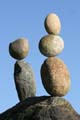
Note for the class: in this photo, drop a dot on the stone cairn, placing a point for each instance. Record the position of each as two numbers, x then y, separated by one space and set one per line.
54 73
23 73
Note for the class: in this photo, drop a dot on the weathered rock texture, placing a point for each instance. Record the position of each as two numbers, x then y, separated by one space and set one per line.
55 76
41 108
24 80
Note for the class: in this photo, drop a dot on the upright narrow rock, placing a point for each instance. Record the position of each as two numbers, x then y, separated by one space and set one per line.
24 80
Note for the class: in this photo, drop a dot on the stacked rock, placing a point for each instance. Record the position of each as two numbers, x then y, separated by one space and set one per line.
23 73
54 73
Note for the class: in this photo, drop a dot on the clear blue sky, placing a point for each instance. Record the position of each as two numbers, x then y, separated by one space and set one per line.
25 18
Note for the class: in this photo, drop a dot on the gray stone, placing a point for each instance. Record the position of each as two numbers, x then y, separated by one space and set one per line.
41 108
24 80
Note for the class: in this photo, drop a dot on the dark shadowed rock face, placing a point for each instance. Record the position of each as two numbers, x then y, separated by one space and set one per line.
41 108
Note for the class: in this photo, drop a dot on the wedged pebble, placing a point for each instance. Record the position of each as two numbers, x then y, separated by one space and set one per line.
55 76
19 48
51 45
52 24
24 80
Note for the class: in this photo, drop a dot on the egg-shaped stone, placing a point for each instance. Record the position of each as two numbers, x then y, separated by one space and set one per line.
51 45
55 76
19 48
52 24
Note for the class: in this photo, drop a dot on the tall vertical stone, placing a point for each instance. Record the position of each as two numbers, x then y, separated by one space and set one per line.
24 80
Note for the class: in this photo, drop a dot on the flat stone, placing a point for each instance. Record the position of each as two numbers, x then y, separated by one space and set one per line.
19 48
55 77
24 80
52 24
51 45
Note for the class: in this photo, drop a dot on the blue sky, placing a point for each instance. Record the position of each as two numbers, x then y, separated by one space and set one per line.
25 18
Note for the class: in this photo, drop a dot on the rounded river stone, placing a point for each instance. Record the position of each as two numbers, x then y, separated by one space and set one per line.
55 76
19 48
51 45
52 24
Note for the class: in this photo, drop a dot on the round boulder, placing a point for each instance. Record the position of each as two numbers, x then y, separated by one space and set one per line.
52 24
19 48
51 45
55 77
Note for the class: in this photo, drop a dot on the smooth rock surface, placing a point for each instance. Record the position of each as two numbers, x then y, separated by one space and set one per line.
52 24
19 48
55 76
51 45
24 80
41 108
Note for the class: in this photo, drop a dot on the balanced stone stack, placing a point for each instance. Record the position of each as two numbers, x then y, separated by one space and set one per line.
23 73
54 73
